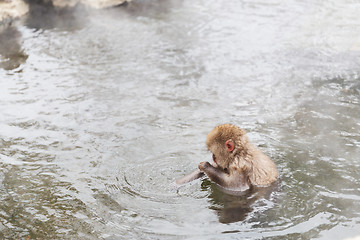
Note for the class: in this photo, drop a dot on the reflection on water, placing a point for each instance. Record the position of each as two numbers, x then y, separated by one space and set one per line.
11 54
49 17
234 207
102 110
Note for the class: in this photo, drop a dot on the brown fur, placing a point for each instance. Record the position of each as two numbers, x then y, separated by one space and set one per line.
244 163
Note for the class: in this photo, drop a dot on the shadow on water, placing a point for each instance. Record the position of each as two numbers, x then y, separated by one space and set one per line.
11 53
45 16
41 16
151 9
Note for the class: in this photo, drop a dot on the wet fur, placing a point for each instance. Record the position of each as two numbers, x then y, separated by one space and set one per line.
241 168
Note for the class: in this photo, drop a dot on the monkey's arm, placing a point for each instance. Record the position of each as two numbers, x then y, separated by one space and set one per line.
190 177
234 180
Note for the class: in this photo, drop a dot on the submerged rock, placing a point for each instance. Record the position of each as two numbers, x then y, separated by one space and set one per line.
10 9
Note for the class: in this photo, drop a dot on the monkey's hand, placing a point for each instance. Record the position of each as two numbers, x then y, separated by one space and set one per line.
204 165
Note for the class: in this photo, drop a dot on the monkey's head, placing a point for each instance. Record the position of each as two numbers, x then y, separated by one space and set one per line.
225 142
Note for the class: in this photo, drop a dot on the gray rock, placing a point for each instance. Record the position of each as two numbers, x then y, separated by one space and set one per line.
10 9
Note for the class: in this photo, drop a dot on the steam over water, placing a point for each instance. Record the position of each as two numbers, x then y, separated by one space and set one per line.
100 111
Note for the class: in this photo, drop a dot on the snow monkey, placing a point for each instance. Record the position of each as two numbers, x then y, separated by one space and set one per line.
238 164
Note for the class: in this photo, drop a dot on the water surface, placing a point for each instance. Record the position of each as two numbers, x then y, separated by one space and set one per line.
100 111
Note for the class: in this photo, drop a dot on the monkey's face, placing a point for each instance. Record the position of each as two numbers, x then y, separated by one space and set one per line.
220 156
220 142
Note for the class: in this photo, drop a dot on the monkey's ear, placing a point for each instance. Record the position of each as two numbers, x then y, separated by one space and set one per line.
229 144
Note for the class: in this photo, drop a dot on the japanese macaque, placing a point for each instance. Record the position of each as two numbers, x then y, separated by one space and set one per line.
238 164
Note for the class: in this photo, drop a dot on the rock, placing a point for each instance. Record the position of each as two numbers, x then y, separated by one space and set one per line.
12 9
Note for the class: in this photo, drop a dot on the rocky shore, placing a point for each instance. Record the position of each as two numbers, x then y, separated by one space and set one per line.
10 9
